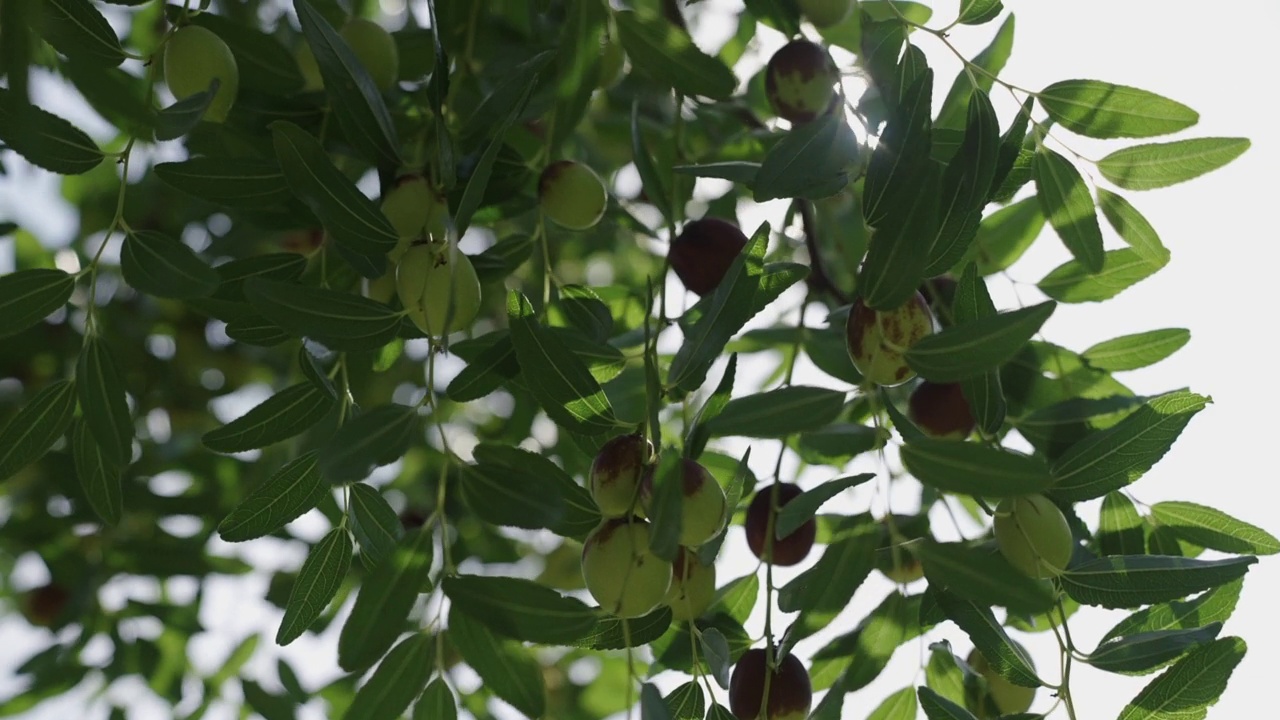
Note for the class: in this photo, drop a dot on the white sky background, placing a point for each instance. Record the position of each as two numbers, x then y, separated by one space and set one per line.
1217 58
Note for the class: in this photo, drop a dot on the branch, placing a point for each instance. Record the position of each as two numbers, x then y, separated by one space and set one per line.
818 280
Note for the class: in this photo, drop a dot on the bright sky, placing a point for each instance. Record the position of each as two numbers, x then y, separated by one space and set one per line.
1217 285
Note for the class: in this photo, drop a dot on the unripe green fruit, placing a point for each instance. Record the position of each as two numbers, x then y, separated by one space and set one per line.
382 288
899 565
572 195
800 81
440 296
616 474
702 511
407 206
612 58
825 13
309 68
1008 698
790 691
878 339
375 49
1033 535
693 585
193 57
620 572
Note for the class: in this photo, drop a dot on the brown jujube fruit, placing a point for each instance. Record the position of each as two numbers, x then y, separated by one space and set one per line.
702 253
790 692
941 410
790 549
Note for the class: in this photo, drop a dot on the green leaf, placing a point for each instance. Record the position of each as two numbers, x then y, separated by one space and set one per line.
872 642
1004 236
989 637
685 702
521 609
737 598
778 413
254 329
1214 529
386 596
436 703
182 117
983 392
234 182
157 264
502 258
311 369
559 380
102 401
804 506
518 488
1120 529
1065 201
397 681
1105 110
665 508
376 525
973 469
289 493
354 98
965 183
29 296
737 171
937 707
667 53
810 161
1123 581
967 349
99 477
45 139
982 575
1144 652
277 418
608 632
377 437
341 321
1157 165
943 673
36 426
977 12
1186 690
1213 606
76 29
652 706
1117 456
899 249
1071 282
507 669
823 591
473 194
1130 352
318 581
651 181
696 439
898 706
1133 228
715 650
901 157
989 63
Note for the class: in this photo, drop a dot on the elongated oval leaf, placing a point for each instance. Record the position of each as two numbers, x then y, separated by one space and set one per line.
804 506
45 139
182 117
507 669
1111 459
1214 529
318 581
376 526
937 707
340 320
400 676
277 418
1072 282
377 437
235 182
521 609
160 265
1186 690
76 29
1120 530
655 188
810 161
1135 654
1004 235
608 633
968 349
436 703
1133 228
898 706
1157 165
970 468
29 296
667 53
1098 109
1066 203
1130 352
36 426
102 401
1216 605
386 596
285 496
1124 581
977 12
989 637
824 590
354 221
778 413
982 575
99 477
520 473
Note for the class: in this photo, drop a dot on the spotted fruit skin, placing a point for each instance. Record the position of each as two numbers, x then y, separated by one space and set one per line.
825 13
1008 698
693 585
800 81
440 293
620 572
703 252
789 550
877 339
940 410
193 57
1033 535
571 195
375 49
616 473
790 691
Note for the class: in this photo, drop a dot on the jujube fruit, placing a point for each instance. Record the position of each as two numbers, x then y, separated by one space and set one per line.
439 291
375 49
703 252
616 473
693 585
407 205
571 195
800 81
877 339
193 57
790 691
620 572
940 410
1033 535
789 550
1008 698
825 13
939 292
44 606
702 508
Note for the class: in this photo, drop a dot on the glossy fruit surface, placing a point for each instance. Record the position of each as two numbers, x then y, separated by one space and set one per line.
703 252
790 549
877 339
1033 535
790 691
702 509
693 585
1008 698
571 195
616 471
800 81
440 296
193 57
620 572
825 13
941 410
375 49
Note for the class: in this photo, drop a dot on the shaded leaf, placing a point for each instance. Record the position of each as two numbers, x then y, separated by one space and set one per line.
667 53
1216 605
982 575
36 427
235 182
99 477
1123 581
318 581
969 348
1186 690
289 493
1143 652
160 265
45 139
507 669
279 417
29 296
1214 529
375 524
102 401
341 321
377 437
970 468
778 413
76 29
400 676
521 609
386 596
802 508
